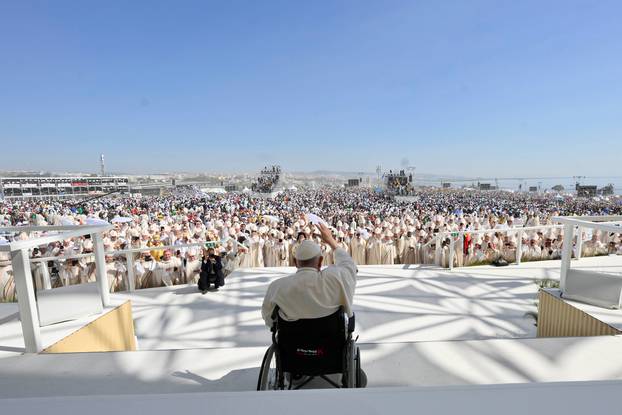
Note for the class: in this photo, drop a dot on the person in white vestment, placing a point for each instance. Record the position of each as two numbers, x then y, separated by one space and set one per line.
357 249
312 292
410 254
193 266
388 250
374 248
169 271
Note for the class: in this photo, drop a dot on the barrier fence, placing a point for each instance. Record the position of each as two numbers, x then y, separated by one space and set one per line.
443 259
458 237
129 276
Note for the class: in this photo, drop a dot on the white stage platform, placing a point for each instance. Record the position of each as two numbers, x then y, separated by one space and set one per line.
392 304
11 340
409 319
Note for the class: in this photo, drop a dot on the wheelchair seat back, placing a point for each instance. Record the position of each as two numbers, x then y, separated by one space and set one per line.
312 346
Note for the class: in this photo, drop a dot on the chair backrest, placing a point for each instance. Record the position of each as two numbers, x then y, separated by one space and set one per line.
312 346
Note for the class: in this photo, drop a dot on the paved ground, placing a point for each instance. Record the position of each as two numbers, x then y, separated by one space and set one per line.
392 304
417 325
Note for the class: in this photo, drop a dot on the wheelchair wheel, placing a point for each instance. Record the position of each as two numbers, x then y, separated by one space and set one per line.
359 380
350 368
268 373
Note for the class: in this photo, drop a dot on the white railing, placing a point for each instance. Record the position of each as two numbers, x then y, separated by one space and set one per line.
129 258
571 223
20 262
454 236
579 223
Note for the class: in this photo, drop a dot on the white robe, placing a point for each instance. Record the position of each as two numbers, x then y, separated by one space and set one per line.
243 258
282 254
7 283
357 248
400 244
169 272
269 254
410 253
192 271
310 293
257 252
389 253
38 274
115 272
374 250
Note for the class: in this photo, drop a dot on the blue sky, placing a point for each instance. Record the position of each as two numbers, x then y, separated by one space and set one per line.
497 88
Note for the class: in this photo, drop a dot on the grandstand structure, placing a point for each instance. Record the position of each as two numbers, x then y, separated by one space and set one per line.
398 183
61 187
267 182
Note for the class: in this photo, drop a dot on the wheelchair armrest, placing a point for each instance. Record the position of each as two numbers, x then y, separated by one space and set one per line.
351 324
275 319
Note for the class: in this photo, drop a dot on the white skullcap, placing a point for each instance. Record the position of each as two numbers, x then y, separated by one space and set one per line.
307 250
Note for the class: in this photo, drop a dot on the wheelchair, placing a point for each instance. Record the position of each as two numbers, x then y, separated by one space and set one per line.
308 348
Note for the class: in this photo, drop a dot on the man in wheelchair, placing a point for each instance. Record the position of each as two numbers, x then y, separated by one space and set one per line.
310 316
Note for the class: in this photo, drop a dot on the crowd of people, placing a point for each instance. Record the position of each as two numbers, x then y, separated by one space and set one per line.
244 231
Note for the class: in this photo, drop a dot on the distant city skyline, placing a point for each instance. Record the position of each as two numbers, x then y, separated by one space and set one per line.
419 176
476 88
